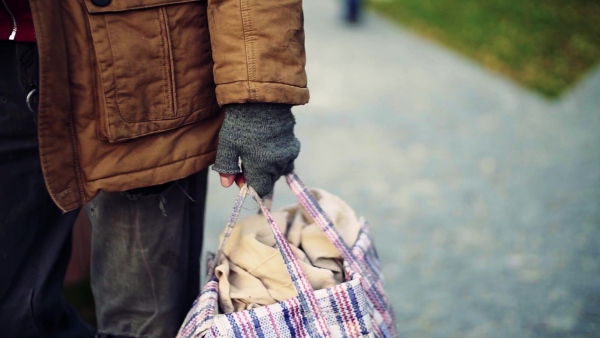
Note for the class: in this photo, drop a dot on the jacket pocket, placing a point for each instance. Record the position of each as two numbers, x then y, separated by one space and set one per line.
153 64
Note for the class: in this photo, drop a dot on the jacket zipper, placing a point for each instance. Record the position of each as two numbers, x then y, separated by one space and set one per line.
14 30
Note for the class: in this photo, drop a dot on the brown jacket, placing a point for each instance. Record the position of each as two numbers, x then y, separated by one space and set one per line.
130 91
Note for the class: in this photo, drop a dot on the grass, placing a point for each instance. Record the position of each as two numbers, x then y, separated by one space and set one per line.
546 45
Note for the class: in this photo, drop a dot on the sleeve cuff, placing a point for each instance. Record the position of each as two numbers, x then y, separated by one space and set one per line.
250 91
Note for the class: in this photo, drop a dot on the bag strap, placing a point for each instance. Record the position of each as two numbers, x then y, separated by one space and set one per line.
235 214
311 205
306 295
316 324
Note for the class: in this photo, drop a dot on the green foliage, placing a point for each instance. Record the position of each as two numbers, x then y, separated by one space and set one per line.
543 44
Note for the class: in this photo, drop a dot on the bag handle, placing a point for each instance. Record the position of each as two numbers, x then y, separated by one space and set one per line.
314 210
235 214
311 205
317 326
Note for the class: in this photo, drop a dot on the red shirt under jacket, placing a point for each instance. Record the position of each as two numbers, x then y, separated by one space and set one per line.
15 21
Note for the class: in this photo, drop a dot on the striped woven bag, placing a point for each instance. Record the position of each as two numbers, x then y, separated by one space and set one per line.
356 308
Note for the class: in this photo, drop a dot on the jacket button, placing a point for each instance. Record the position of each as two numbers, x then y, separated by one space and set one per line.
101 3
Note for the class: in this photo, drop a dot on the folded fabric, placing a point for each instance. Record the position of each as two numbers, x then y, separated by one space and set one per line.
251 272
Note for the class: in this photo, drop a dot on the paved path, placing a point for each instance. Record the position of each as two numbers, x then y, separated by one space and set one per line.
484 198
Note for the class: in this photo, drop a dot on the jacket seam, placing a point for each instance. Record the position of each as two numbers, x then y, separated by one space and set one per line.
254 81
41 123
148 169
163 129
249 48
162 29
114 72
82 196
137 7
175 104
41 41
104 129
75 143
96 77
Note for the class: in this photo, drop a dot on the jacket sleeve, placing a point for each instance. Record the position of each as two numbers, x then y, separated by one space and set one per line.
258 51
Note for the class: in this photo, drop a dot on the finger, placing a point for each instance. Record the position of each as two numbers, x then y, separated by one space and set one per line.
240 180
261 181
289 169
227 179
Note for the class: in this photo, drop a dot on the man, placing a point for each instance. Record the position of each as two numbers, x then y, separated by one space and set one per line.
124 115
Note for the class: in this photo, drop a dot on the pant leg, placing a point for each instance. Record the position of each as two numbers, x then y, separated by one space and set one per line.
146 257
35 238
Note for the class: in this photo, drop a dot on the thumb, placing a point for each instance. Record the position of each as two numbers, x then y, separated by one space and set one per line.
227 179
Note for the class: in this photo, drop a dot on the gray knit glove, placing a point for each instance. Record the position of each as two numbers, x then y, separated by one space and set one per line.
262 135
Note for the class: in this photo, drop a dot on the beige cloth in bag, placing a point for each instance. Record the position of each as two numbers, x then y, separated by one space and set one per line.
251 272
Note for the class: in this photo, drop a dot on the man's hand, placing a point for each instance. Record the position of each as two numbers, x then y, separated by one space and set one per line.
262 136
228 179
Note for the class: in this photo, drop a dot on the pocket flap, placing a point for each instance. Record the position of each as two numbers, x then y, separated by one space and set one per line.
126 5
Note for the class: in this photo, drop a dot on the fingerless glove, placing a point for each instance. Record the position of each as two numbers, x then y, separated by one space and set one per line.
262 136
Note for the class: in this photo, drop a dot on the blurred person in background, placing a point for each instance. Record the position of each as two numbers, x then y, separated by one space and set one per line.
352 10
119 105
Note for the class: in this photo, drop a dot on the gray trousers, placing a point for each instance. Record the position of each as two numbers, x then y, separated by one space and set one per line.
145 258
145 249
